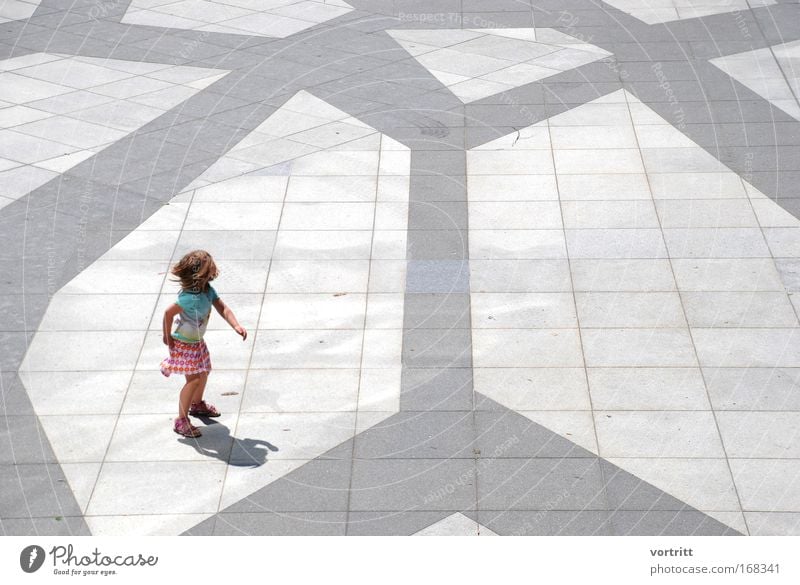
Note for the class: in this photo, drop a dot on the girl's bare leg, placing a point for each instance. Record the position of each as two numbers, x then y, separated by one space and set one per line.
193 382
197 395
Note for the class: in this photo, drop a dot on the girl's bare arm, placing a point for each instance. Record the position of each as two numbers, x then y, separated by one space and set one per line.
166 328
228 315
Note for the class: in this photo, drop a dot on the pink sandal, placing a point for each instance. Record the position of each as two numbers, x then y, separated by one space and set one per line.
202 408
185 428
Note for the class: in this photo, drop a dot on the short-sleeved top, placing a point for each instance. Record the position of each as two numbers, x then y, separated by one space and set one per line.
193 318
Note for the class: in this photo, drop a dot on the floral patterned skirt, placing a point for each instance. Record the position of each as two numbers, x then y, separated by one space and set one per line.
187 359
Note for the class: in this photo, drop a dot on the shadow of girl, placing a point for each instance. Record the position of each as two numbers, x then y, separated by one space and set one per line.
217 442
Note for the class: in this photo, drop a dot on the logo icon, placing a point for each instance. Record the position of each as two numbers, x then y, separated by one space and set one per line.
31 558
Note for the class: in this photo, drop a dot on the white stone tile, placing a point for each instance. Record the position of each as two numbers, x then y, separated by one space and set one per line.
331 245
704 185
594 137
658 434
647 389
143 525
533 137
503 162
512 188
81 438
308 349
166 218
328 216
594 114
391 215
151 392
150 437
81 478
615 243
576 426
477 88
514 215
313 311
603 187
144 245
740 274
157 487
71 393
610 160
336 163
233 216
783 241
382 348
771 214
379 391
611 275
767 485
519 276
83 312
773 523
661 136
297 435
757 435
704 484
19 89
716 243
516 244
308 276
744 348
522 310
695 213
540 348
119 277
385 311
238 245
638 348
344 189
246 189
630 309
609 214
455 525
739 309
753 388
534 388
387 276
83 350
680 160
392 188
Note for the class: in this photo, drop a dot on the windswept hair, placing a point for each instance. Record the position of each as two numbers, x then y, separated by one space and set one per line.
195 270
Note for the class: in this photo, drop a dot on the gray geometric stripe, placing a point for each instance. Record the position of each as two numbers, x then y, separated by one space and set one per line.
127 182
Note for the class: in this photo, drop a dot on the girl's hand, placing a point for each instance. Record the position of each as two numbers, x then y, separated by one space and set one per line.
168 341
241 331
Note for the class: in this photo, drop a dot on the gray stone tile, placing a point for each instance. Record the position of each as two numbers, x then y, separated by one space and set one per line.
281 524
413 484
437 245
507 434
49 526
668 523
437 215
436 311
419 435
35 491
436 389
547 522
437 276
444 163
392 523
445 348
13 397
753 388
24 441
628 492
318 486
205 528
540 484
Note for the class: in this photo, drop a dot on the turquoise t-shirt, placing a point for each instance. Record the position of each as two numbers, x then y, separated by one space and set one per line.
193 318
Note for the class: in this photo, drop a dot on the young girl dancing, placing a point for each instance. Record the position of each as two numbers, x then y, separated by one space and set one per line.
188 353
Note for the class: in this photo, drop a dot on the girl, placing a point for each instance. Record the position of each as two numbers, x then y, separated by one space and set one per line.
188 354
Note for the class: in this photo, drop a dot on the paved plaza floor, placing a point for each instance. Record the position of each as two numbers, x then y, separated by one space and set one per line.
508 266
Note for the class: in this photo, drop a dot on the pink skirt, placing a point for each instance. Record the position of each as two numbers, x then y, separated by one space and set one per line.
187 359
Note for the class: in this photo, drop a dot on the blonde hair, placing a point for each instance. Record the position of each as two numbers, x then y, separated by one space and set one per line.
195 270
